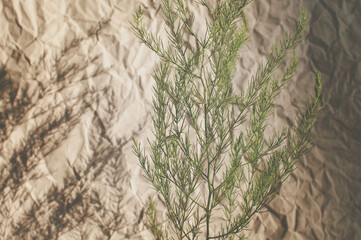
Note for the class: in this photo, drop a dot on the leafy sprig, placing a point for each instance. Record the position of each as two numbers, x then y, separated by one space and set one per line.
196 115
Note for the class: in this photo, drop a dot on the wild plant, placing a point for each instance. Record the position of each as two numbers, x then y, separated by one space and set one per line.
210 160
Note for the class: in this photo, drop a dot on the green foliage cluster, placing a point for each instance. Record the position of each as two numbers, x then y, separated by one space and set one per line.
240 170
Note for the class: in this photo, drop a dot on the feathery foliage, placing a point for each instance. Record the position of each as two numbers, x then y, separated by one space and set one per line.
213 178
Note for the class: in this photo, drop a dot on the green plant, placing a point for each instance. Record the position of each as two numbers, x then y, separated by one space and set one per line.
196 117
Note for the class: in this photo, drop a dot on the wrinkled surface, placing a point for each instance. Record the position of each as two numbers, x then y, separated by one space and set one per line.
320 200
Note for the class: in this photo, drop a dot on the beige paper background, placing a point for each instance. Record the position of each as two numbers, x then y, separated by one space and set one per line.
320 200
